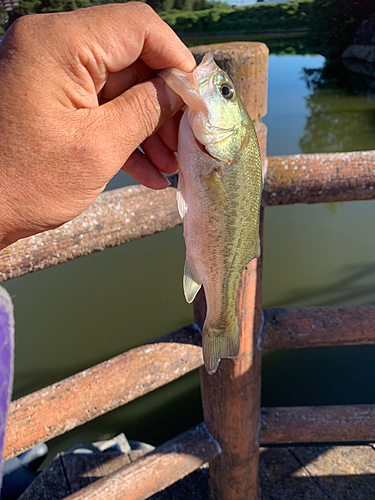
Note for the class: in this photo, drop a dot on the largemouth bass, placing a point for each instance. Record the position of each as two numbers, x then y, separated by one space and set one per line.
218 196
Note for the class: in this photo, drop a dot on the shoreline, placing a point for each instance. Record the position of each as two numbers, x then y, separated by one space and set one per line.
218 34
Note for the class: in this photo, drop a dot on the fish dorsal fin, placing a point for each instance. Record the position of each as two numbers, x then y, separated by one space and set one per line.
191 282
180 196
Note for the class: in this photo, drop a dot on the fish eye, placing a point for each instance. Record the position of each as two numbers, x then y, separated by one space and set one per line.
227 91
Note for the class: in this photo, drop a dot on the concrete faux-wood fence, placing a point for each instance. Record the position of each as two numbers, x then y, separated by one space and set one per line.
231 398
129 213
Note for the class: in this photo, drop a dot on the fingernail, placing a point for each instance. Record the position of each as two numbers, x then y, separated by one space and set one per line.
167 181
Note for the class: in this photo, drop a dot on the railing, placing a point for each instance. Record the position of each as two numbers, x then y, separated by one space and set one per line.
236 424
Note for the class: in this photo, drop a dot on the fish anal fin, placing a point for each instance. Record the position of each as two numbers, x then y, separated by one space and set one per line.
191 282
180 196
219 344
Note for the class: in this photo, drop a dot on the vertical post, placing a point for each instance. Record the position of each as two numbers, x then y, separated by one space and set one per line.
231 397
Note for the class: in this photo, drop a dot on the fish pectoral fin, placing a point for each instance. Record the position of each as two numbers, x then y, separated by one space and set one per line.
218 344
216 189
180 196
191 282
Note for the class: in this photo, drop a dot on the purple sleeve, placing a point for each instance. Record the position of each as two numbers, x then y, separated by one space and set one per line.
6 362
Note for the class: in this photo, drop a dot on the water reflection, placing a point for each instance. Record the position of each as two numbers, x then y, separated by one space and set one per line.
341 110
349 288
362 75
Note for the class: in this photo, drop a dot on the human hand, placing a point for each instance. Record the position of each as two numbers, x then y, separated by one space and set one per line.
78 96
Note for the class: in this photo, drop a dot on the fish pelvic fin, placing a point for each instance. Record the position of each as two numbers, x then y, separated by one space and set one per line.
219 344
181 197
191 282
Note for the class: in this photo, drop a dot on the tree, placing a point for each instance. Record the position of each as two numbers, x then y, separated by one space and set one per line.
334 23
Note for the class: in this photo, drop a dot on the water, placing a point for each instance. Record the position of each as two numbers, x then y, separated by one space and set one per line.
322 254
80 313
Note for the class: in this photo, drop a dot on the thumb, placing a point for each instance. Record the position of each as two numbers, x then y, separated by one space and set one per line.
138 113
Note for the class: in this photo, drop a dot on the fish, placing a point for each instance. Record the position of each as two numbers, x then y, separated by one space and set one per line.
218 197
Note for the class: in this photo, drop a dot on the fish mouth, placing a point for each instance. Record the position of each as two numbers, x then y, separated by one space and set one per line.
185 86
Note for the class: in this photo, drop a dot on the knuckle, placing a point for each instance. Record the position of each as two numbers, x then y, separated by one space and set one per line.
143 8
21 29
27 32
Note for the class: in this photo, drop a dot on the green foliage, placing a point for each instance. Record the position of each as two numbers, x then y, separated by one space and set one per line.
334 23
259 17
26 7
41 6
168 4
187 16
63 5
185 5
3 20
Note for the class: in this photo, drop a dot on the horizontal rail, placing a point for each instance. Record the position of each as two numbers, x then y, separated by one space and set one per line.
318 327
320 178
56 409
317 424
157 470
116 217
126 214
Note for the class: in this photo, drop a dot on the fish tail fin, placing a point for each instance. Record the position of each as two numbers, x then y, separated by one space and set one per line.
218 344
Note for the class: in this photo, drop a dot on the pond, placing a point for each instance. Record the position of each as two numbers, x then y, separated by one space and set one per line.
80 313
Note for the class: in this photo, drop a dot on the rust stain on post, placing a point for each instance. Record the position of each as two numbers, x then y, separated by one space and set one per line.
157 470
318 327
309 424
320 178
56 409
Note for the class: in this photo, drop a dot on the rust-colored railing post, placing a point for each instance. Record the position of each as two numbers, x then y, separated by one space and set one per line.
231 397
